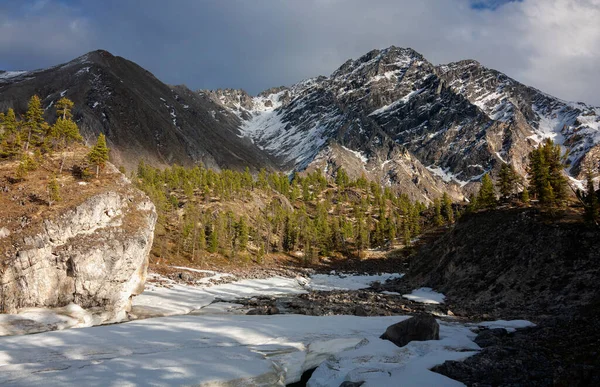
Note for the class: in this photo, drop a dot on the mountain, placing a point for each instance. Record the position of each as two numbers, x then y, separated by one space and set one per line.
390 115
407 121
142 117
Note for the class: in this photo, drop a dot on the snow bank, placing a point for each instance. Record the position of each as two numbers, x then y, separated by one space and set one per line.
184 350
425 296
232 350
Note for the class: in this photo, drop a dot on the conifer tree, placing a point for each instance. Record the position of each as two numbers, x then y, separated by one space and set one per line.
99 154
447 208
34 122
525 196
242 233
65 130
547 182
341 178
10 141
53 191
507 180
486 197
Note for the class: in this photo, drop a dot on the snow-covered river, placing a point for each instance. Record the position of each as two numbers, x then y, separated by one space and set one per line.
217 346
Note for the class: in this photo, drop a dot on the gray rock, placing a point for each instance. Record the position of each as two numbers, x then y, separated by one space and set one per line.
94 255
187 277
490 337
418 328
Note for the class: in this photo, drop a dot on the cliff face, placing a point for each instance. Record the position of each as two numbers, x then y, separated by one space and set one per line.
91 250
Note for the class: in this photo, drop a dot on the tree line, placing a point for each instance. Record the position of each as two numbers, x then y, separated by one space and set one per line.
205 211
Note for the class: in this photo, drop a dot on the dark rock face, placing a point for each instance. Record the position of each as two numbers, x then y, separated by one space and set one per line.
490 337
558 352
511 264
418 328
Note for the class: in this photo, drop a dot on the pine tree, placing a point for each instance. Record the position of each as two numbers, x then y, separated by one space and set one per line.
546 178
34 122
508 180
65 130
447 208
53 191
242 233
11 143
525 196
486 197
99 154
341 178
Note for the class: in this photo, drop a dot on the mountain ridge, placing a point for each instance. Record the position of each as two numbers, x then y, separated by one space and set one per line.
402 119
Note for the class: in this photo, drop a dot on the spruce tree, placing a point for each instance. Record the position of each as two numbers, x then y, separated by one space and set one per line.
34 122
447 208
53 191
65 130
98 156
487 196
10 143
507 181
525 196
547 181
242 233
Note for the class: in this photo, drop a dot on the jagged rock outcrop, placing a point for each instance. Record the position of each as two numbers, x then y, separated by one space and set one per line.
93 254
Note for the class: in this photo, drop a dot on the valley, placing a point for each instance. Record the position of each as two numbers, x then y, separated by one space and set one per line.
394 223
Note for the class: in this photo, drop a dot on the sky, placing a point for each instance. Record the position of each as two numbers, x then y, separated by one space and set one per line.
553 45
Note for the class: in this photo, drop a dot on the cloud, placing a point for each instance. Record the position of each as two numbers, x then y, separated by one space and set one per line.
553 45
40 34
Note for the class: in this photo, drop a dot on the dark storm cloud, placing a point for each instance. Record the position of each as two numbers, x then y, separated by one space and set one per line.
551 44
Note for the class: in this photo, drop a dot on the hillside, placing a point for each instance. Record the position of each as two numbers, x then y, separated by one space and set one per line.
143 118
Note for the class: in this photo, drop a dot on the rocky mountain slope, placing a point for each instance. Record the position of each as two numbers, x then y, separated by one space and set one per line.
390 115
91 248
512 263
143 118
396 117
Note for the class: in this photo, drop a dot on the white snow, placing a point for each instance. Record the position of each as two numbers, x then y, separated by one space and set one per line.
327 282
34 320
446 175
177 299
62 93
95 104
425 296
388 108
12 74
218 350
364 159
510 326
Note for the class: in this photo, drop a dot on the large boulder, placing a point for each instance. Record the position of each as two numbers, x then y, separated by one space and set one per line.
418 328
91 251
